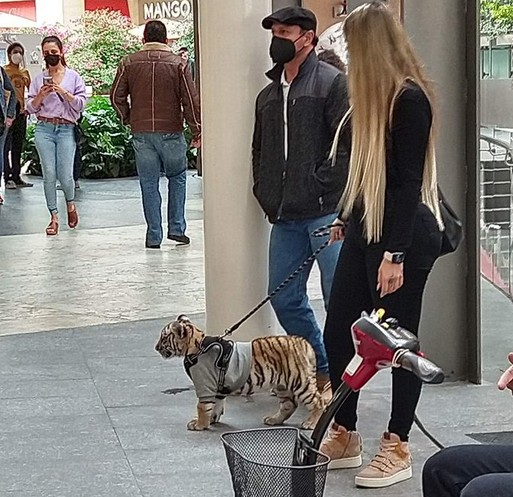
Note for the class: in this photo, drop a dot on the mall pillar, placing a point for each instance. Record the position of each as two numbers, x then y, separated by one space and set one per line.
450 329
233 59
451 318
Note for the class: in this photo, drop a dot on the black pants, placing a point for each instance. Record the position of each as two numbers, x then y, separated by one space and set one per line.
469 471
354 291
14 144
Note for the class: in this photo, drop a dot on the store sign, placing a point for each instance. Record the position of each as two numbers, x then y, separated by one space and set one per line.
174 9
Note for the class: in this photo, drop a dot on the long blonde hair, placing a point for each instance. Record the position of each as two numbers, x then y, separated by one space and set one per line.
381 60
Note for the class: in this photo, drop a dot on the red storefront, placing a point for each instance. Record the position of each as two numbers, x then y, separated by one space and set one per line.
121 5
22 8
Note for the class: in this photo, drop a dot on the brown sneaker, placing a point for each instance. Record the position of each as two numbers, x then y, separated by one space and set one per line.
343 447
390 465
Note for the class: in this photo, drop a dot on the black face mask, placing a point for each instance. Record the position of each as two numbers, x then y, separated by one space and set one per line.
52 60
283 50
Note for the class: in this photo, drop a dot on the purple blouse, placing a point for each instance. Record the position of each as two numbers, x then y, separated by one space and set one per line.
52 105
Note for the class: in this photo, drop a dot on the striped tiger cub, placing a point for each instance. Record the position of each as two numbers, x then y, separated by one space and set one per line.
218 367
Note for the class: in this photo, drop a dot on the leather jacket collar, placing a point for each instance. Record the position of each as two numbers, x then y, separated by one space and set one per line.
156 46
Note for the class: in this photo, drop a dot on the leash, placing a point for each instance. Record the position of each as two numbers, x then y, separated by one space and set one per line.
318 233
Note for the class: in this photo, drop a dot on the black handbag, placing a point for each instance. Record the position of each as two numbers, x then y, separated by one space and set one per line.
453 232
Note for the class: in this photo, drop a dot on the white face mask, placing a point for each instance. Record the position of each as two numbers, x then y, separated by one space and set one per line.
17 58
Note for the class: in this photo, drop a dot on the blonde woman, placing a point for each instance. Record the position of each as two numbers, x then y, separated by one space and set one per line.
390 222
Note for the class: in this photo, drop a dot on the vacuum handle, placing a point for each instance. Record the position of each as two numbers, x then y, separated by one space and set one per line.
423 368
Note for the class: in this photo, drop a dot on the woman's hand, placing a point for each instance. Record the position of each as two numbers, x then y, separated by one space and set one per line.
43 93
338 232
58 89
9 121
506 380
390 277
64 93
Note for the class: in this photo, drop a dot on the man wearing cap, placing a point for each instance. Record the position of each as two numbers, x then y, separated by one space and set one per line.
295 182
152 93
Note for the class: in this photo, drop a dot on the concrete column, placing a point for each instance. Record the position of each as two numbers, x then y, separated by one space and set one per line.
50 11
451 324
236 233
450 330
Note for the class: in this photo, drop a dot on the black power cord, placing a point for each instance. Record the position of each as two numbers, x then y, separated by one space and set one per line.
426 432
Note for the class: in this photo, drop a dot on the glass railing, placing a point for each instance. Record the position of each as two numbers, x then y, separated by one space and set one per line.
496 206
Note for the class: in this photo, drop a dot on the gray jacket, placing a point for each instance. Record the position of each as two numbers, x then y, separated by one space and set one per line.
206 369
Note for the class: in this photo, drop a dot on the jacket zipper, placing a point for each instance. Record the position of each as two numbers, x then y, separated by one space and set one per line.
284 173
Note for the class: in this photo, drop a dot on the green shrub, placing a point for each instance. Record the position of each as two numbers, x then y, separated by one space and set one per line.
107 150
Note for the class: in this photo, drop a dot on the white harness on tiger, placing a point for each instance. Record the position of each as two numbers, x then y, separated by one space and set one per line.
221 367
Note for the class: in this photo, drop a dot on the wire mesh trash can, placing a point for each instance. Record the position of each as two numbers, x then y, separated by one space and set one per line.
269 462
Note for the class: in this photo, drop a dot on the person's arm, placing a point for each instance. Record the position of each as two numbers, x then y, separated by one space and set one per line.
190 103
256 148
26 78
332 173
411 126
77 98
506 379
10 92
37 93
119 94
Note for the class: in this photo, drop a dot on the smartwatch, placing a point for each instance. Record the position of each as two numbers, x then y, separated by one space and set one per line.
394 257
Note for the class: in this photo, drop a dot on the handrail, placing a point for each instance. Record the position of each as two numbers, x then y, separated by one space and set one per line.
508 149
498 142
496 237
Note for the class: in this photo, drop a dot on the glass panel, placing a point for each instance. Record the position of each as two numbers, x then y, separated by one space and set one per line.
496 194
501 62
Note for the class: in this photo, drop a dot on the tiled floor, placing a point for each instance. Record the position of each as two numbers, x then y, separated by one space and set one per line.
83 405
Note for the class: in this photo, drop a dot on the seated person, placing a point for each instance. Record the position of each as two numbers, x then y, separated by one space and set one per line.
472 470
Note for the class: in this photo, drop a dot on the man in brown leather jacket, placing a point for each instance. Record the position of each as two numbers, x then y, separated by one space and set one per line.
152 93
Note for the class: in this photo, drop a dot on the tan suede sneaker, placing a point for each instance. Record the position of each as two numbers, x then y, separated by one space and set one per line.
390 465
343 447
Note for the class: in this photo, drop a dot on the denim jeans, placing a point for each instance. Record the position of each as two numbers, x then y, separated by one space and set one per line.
155 152
291 244
55 145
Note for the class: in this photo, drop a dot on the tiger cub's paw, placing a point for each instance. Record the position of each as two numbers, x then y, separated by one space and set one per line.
194 425
272 421
308 424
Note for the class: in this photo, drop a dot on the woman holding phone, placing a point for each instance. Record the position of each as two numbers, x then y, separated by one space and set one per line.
57 96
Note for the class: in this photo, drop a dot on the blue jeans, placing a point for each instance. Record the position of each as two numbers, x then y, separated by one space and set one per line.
291 244
155 152
55 145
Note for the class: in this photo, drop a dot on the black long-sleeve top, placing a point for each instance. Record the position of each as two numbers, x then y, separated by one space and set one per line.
406 152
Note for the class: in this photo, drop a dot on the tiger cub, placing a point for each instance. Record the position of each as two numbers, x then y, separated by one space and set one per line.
218 367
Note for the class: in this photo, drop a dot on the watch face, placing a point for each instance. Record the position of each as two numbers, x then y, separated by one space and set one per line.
398 257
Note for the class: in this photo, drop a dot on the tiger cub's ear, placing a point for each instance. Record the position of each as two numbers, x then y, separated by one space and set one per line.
183 317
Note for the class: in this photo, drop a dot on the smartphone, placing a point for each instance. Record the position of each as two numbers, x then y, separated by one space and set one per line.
47 80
